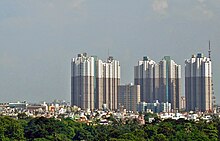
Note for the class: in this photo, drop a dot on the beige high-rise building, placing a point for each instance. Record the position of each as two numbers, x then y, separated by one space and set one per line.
146 75
169 82
94 82
198 83
129 96
108 80
82 81
159 81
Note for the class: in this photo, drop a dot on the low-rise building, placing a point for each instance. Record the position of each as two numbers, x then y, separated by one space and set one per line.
155 107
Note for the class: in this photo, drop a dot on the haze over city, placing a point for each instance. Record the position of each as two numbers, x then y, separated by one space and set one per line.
39 38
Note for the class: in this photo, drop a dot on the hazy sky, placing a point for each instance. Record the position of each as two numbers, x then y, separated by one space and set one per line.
38 38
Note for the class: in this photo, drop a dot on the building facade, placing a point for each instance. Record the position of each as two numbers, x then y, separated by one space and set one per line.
146 75
154 107
183 103
159 81
129 96
83 81
94 82
169 82
198 83
107 81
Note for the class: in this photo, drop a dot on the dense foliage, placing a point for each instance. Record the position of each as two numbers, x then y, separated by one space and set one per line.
45 129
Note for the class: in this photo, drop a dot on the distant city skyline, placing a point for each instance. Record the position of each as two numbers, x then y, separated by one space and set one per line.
39 38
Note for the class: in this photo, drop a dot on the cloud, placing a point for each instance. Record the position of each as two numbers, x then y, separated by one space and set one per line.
203 10
54 14
201 1
160 6
208 13
7 61
77 4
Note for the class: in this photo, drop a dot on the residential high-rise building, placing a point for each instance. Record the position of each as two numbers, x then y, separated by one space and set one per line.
108 80
198 83
94 82
169 82
146 75
129 96
83 78
159 81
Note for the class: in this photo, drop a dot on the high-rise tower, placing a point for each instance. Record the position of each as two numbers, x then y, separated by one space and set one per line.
159 81
129 96
212 84
169 82
146 75
198 83
94 82
83 81
107 81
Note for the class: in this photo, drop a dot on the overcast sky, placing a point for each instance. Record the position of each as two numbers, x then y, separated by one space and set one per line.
38 38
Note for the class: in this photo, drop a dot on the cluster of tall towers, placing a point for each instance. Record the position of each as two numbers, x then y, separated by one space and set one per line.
159 81
95 83
198 83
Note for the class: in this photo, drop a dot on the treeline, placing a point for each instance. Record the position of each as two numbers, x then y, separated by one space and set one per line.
47 129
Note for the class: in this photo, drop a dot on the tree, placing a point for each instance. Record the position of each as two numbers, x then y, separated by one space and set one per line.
128 136
22 116
211 132
160 137
166 128
47 128
11 129
149 115
150 130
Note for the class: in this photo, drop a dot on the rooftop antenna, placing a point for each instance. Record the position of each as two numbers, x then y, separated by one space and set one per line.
209 50
212 85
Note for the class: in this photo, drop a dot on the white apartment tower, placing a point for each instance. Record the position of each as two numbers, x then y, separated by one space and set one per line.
159 81
146 75
107 80
83 81
94 82
169 82
198 83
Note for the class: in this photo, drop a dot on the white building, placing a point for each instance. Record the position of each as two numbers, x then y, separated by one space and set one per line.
154 107
94 82
159 81
146 75
169 82
198 83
